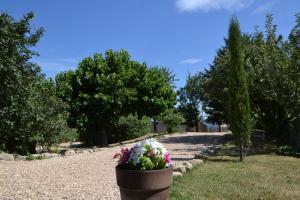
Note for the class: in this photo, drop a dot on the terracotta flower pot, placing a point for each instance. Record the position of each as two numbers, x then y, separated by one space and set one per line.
144 184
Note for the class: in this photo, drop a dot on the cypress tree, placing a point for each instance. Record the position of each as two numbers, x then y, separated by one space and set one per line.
238 99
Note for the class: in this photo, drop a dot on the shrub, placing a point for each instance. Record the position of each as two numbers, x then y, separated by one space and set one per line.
29 157
55 149
172 120
71 135
129 127
287 150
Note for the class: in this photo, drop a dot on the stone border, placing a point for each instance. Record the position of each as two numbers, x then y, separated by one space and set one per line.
71 152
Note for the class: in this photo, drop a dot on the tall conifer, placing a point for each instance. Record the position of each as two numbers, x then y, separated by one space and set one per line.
238 99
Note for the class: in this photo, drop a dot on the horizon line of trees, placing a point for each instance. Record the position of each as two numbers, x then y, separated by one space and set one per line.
110 97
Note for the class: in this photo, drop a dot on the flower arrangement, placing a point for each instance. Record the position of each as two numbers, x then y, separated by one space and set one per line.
146 155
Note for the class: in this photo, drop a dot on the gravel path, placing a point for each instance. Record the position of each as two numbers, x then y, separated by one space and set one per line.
84 176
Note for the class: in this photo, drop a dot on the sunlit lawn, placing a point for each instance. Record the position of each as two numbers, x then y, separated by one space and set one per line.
259 177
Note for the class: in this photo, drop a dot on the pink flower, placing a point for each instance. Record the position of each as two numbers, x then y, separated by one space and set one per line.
168 157
123 156
116 155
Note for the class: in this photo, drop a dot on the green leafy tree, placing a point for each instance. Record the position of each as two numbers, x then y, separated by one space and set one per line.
189 100
293 72
214 89
103 89
155 93
30 112
238 104
172 119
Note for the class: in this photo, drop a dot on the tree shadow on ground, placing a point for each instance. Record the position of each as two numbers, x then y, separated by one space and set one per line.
181 159
231 153
194 139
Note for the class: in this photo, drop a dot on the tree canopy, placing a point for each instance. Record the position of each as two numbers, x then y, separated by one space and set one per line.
102 89
272 72
30 112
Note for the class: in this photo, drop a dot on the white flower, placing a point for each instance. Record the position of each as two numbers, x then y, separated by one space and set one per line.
141 148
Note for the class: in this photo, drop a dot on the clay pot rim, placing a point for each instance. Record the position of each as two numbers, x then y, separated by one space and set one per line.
144 171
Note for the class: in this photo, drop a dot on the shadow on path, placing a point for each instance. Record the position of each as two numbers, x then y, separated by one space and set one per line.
195 139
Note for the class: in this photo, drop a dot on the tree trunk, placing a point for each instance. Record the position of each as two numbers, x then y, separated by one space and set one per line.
219 127
298 138
154 125
241 151
104 137
197 127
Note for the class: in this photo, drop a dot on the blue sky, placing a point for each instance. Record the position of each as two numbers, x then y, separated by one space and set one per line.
180 34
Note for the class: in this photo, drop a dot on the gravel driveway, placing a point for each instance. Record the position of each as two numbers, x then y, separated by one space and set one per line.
84 176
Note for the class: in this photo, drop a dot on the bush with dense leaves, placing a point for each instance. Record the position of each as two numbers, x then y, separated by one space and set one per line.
172 120
129 127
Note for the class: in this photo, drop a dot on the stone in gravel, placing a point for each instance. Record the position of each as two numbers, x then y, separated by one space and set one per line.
177 174
85 151
78 151
91 150
18 157
49 155
69 153
6 156
179 168
97 149
188 165
200 156
55 155
196 162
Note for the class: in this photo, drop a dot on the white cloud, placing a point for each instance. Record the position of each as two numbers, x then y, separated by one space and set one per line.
263 8
190 61
207 5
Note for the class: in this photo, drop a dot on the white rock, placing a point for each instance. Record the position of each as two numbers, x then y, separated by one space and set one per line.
91 150
6 156
47 155
200 156
85 151
78 151
188 165
70 153
18 157
50 155
179 168
177 174
196 162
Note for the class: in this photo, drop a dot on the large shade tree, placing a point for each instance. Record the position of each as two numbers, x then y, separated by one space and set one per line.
104 88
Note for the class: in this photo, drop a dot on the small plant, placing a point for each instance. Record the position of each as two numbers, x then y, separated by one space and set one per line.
29 157
287 150
39 157
146 155
129 127
55 149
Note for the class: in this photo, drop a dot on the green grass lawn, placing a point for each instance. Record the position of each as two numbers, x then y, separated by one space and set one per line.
258 177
